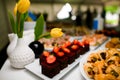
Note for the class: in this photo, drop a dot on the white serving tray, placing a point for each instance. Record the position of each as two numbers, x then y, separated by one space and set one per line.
35 68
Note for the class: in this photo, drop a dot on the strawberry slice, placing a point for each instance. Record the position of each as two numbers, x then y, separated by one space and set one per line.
86 42
56 49
81 44
66 50
46 53
74 47
64 46
75 41
51 59
68 43
60 54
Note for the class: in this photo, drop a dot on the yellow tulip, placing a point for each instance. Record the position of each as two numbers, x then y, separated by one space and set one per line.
15 9
56 32
23 6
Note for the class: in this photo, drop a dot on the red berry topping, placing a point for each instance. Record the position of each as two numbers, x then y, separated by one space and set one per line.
81 44
74 47
86 42
46 53
51 59
75 41
60 54
64 46
66 50
56 49
68 43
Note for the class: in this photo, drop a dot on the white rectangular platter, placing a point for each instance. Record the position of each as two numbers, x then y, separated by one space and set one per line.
35 68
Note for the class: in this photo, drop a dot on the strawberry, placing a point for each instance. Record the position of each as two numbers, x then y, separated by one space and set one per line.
75 41
86 42
56 49
46 53
68 43
74 47
51 59
81 44
64 46
66 50
60 53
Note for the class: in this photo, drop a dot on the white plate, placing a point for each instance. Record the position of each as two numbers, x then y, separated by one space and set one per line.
81 66
36 69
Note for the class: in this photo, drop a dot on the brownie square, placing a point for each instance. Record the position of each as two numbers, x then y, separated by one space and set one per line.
50 70
63 61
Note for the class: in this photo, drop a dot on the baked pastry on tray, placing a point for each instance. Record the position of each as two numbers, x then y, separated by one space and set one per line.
103 65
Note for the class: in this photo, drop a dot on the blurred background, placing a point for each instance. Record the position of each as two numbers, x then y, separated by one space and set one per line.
74 16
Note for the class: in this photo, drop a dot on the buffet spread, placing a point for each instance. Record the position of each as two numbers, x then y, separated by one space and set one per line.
59 58
62 54
57 52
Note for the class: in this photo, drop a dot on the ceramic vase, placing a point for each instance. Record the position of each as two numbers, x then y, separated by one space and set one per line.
13 41
22 54
27 35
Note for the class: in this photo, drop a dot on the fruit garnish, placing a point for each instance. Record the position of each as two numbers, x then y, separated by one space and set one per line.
68 43
81 44
56 49
60 53
50 59
75 41
64 46
46 53
66 50
86 42
74 47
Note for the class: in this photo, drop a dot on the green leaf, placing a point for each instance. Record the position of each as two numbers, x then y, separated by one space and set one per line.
22 19
38 30
45 35
12 22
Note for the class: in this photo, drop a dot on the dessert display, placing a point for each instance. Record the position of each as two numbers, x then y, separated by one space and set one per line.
52 62
113 43
94 39
51 42
110 33
103 65
76 31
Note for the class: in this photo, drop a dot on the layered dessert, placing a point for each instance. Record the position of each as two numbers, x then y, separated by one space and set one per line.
61 58
50 67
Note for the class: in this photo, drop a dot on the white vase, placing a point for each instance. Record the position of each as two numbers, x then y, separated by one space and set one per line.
13 41
21 55
27 35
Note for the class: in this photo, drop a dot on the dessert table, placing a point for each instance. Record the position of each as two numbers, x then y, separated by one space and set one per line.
7 72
